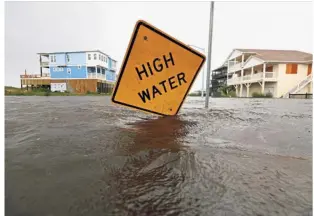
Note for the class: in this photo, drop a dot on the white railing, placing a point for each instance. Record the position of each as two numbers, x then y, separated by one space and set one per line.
235 67
247 77
99 76
91 75
270 75
44 75
257 76
44 64
234 80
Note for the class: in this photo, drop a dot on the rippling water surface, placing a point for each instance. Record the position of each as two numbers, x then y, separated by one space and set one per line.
84 156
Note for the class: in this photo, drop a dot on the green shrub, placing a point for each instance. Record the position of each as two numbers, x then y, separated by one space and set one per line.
227 91
261 95
47 93
269 95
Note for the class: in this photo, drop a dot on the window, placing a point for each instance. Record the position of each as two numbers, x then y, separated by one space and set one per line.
99 57
51 58
105 59
309 69
291 68
91 69
89 57
69 70
68 57
95 56
269 69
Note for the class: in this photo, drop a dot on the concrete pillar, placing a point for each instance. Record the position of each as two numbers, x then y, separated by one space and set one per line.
96 72
248 90
263 80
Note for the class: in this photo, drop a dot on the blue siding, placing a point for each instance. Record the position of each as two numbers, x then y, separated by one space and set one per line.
61 72
109 62
77 59
60 59
110 75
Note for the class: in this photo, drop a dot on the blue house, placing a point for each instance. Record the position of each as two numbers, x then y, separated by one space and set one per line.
80 65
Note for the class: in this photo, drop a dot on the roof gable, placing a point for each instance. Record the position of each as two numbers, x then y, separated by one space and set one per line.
252 61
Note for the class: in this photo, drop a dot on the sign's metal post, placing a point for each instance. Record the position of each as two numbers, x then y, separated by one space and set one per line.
209 53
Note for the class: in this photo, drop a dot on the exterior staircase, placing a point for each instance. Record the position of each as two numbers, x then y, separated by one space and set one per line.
299 86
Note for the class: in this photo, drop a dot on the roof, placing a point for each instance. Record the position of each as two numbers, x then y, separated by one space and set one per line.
224 65
84 51
280 55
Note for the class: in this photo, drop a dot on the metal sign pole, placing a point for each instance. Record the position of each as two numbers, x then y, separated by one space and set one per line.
209 53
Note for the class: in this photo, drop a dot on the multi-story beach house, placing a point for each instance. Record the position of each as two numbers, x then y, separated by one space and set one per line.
77 71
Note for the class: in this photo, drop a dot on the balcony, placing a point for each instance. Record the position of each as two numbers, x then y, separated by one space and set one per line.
234 67
99 76
269 76
234 81
32 76
44 64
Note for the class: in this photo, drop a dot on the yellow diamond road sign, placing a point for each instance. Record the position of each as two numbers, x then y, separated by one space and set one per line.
157 71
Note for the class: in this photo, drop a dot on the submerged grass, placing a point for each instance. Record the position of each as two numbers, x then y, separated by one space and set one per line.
12 91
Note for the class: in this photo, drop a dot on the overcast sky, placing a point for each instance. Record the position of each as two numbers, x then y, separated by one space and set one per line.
32 27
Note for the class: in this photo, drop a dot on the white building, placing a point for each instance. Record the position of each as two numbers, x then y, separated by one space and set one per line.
278 72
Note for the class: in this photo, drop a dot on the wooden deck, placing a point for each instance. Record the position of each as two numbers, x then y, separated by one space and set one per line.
80 86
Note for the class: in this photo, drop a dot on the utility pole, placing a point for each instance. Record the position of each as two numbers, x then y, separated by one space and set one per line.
209 53
203 69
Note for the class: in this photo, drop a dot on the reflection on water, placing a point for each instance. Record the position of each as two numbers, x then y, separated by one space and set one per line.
150 181
83 156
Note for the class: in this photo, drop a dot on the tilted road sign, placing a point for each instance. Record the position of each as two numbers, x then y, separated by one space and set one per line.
157 71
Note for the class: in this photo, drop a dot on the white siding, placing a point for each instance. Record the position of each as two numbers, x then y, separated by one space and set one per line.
93 62
287 81
252 62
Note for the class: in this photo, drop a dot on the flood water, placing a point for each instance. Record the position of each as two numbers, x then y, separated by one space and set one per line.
85 156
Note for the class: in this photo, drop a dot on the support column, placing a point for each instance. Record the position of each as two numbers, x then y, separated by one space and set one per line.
96 72
241 88
252 72
248 89
41 68
236 88
263 80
